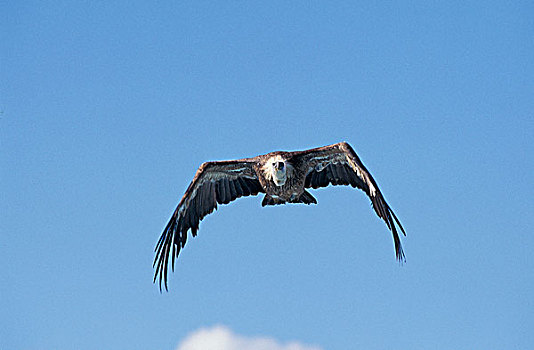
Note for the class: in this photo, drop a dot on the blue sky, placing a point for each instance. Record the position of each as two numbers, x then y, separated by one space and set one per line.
107 110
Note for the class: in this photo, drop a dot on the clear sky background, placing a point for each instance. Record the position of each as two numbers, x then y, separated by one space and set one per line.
107 109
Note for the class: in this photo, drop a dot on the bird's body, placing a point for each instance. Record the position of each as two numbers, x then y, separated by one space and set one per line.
282 176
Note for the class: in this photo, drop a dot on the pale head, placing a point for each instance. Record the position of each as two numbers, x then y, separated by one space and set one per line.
276 169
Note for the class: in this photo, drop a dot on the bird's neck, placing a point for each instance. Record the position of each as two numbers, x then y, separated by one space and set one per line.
279 177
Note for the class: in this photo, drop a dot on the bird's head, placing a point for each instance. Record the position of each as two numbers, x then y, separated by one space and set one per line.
279 167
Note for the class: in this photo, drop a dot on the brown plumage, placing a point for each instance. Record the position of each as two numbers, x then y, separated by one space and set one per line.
282 176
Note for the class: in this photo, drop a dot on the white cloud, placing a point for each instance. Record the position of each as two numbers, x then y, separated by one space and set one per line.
222 338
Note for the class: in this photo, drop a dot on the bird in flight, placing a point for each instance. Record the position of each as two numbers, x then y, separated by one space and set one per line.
283 177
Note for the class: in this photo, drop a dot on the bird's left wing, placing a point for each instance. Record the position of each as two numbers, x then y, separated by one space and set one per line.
338 164
214 183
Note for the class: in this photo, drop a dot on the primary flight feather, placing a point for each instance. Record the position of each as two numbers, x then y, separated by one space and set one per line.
282 176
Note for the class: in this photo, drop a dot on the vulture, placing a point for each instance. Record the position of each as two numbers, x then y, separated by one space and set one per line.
283 177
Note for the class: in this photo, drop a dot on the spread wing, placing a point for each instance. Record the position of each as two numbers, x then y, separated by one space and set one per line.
214 183
339 165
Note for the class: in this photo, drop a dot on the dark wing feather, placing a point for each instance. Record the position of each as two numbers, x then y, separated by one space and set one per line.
339 165
214 183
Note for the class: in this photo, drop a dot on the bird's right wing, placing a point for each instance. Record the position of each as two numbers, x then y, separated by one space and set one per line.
214 183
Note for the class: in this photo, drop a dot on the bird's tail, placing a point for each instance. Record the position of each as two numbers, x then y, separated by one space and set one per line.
306 198
268 200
